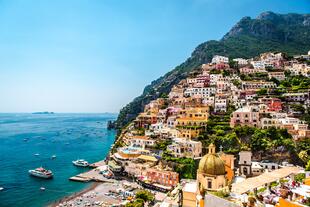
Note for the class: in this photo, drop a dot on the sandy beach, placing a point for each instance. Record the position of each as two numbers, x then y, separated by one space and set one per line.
75 195
99 194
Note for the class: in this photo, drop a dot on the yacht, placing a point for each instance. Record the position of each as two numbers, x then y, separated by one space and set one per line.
80 163
41 173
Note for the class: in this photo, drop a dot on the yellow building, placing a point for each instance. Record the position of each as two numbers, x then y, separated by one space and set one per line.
192 121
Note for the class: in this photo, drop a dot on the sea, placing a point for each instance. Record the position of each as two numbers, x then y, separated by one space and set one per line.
68 136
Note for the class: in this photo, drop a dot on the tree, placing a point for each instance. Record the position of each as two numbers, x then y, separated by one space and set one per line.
298 108
303 155
262 92
145 195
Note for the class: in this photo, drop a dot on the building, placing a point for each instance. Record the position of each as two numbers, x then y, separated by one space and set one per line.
247 70
296 97
277 75
257 85
220 59
257 169
220 104
245 163
185 148
162 177
141 141
144 120
241 61
211 174
269 165
202 92
258 64
246 116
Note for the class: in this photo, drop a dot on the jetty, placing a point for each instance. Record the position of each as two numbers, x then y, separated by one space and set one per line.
92 175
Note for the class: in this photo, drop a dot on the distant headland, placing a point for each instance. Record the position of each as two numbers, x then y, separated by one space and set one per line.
43 112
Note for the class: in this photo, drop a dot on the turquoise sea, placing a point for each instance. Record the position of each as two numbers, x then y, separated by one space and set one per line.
68 136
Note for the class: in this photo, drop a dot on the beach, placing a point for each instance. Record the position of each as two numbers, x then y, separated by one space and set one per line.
99 194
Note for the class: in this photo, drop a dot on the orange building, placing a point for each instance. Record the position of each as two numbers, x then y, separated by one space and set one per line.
163 177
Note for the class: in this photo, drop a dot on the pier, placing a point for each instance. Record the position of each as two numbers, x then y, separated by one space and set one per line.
92 175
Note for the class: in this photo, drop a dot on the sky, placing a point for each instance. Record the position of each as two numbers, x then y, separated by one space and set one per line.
97 55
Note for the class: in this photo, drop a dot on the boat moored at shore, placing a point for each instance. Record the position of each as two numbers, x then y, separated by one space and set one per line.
80 163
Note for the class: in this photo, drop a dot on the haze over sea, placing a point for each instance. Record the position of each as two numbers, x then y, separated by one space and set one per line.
68 136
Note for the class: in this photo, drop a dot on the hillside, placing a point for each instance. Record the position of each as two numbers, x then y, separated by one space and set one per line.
289 33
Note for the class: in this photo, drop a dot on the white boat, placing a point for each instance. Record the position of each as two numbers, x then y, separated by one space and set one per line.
80 163
41 173
1 188
42 189
37 154
53 157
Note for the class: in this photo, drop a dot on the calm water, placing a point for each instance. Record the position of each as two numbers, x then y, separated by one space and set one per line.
68 136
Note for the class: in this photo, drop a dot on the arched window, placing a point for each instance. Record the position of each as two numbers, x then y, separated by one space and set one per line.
245 171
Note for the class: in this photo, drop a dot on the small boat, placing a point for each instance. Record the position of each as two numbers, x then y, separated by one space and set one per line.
53 157
41 173
42 189
1 188
37 154
25 140
80 163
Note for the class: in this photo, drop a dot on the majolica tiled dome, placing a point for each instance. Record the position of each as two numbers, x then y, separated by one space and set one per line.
211 163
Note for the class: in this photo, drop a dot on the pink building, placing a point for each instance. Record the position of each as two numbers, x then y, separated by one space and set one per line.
246 116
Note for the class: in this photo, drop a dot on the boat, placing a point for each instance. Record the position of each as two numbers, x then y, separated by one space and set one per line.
1 188
80 163
53 157
41 173
42 189
37 154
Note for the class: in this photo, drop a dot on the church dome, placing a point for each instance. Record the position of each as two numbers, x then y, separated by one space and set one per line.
211 163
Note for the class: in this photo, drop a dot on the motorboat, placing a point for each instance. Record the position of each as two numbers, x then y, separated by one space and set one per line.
80 163
53 157
41 173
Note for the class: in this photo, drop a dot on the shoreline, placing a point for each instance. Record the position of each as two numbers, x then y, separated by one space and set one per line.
93 184
74 195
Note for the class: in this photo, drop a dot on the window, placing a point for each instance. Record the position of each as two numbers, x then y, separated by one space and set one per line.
209 183
245 171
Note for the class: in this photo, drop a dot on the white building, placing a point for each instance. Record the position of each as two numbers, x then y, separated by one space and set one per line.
209 101
202 92
241 61
220 104
220 59
141 141
258 64
257 169
185 148
269 165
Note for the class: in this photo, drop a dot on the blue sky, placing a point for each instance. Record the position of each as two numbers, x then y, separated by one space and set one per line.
97 55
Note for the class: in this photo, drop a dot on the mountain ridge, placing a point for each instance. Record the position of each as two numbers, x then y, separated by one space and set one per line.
289 33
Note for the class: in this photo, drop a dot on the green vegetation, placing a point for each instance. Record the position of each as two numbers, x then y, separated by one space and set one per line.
221 194
262 92
141 198
186 167
162 145
296 83
300 177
